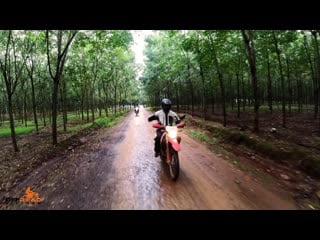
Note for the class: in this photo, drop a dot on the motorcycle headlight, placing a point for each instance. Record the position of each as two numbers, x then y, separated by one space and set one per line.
172 132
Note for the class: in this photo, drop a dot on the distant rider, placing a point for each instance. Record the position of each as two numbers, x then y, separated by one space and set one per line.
136 110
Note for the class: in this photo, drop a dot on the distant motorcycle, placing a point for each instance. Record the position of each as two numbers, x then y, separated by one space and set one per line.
136 110
170 146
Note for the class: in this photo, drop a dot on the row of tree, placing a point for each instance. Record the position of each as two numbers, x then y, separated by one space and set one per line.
44 73
231 69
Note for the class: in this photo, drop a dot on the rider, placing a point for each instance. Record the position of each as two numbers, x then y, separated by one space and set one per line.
164 117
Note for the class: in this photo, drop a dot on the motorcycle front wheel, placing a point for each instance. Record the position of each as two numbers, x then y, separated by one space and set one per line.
174 166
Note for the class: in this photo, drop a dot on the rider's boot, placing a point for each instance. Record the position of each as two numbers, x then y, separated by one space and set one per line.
156 148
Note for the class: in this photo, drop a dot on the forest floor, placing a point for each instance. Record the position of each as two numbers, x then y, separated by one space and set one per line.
290 154
36 150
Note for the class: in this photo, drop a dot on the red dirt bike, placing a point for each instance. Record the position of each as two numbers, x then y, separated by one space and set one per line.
170 146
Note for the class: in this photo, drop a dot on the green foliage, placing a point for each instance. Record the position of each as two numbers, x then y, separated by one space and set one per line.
5 132
201 136
103 122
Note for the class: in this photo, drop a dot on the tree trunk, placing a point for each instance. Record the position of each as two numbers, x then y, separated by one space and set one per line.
177 98
238 95
34 107
1 115
220 76
13 133
106 105
230 94
212 97
204 104
92 104
249 44
283 96
119 103
44 117
289 86
92 112
99 102
269 84
299 91
63 94
87 108
191 91
244 97
54 112
64 105
313 74
25 115
115 99
82 108
59 65
316 44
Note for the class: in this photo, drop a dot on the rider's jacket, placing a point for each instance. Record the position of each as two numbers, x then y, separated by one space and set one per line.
167 119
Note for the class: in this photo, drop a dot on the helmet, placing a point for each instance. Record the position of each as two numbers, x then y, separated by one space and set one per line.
166 105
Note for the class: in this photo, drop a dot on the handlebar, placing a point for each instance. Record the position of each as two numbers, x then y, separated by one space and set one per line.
181 125
158 125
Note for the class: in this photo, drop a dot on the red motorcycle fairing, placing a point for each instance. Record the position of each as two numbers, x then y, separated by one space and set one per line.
157 125
176 146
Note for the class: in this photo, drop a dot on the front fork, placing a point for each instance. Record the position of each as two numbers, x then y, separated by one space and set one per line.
169 156
168 150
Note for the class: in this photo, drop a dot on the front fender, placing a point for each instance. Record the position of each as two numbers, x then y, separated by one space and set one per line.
176 146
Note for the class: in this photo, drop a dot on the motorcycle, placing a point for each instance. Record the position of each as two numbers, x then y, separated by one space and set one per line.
136 110
170 146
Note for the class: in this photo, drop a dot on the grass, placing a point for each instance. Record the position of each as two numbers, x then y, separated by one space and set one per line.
105 122
72 116
5 132
17 123
201 136
79 127
20 129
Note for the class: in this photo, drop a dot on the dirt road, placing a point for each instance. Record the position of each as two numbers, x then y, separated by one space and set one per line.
116 169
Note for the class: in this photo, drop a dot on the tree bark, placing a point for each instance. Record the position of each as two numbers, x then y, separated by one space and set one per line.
316 44
13 133
249 44
54 112
220 77
238 95
191 90
10 87
283 95
313 74
269 84
61 57
289 86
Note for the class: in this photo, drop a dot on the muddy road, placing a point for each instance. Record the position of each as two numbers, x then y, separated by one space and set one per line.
116 169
